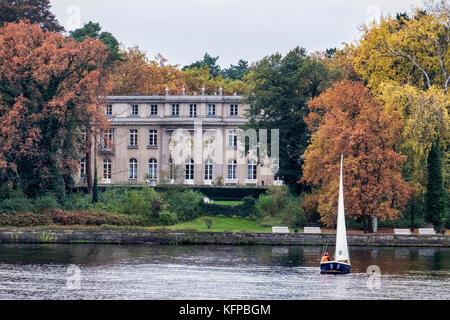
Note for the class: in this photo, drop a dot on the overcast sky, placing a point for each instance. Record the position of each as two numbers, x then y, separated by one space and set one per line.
183 30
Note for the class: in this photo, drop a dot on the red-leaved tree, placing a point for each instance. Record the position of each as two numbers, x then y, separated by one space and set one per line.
49 93
347 119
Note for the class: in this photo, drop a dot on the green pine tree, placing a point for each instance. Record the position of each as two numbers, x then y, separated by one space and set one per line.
435 204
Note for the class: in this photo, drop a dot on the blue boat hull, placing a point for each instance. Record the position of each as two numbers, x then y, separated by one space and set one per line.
334 267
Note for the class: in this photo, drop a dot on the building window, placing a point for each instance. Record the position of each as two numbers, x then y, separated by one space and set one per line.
232 164
252 169
208 170
232 138
107 169
189 169
153 110
109 110
133 166
233 110
107 140
175 110
134 110
193 111
83 168
153 169
211 110
153 138
133 138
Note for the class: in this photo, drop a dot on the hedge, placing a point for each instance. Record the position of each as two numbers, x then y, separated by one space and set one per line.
212 192
66 218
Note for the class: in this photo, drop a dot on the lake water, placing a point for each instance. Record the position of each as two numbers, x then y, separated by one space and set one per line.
56 271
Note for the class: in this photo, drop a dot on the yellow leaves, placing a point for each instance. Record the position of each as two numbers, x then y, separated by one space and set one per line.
404 52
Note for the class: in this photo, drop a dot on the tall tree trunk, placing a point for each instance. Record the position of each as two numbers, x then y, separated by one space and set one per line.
412 217
88 161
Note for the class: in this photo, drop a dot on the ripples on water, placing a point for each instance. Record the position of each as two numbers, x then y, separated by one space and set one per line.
218 272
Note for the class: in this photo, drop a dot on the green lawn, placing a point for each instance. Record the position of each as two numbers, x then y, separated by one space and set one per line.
221 224
228 203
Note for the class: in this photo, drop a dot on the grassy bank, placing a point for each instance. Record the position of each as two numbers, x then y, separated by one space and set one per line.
220 224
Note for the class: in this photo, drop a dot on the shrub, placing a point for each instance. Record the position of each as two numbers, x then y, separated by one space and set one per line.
26 219
293 213
44 203
145 202
186 204
278 207
249 205
89 218
167 218
208 222
77 201
15 205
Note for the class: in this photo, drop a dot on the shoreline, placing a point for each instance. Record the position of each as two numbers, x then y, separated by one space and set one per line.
164 237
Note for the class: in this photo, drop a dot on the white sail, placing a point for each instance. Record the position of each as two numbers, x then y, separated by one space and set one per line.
341 253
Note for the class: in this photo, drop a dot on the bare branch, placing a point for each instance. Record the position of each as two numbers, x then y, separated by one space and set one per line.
408 57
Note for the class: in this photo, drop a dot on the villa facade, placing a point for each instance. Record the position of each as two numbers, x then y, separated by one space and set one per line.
183 139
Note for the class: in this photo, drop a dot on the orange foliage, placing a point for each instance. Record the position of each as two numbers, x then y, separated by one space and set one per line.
139 75
49 90
347 119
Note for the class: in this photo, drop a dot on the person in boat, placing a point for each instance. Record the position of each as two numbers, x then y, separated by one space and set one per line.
325 258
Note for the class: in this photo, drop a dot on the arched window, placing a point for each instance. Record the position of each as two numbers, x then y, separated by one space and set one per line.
153 168
133 169
232 164
252 169
189 169
208 170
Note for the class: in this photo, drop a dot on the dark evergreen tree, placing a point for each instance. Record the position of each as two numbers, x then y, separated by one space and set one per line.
95 188
435 197
93 30
236 72
282 86
208 61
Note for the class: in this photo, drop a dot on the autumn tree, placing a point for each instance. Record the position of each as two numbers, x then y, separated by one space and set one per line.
35 11
347 119
406 61
49 94
407 50
138 74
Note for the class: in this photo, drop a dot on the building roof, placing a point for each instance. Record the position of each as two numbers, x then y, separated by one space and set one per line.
174 98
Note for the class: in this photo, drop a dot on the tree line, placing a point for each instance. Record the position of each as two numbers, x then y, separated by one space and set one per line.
382 101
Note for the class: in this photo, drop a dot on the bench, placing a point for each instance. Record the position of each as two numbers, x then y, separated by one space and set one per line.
402 231
427 231
312 230
280 229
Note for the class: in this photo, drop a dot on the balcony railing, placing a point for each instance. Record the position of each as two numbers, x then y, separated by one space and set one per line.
107 149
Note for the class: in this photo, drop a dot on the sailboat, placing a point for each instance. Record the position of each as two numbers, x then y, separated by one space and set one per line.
341 263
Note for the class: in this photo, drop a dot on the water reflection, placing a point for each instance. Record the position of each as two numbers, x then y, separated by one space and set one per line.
218 272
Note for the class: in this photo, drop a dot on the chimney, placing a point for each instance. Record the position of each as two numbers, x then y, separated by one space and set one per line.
183 90
167 90
203 90
220 91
